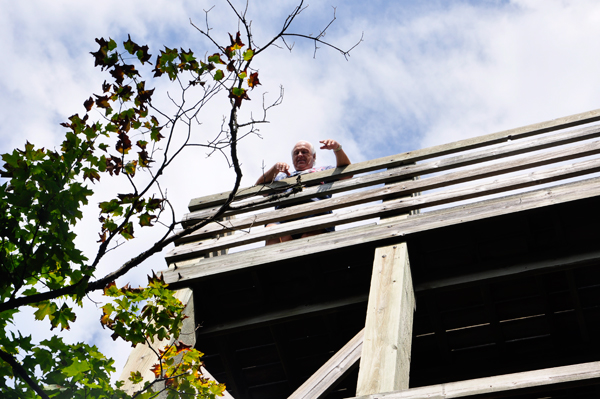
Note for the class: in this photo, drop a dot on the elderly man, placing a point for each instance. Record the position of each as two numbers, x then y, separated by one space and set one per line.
304 157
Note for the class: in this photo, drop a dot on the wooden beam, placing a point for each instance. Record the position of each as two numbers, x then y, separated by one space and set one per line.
380 210
502 385
385 358
509 271
280 316
324 379
408 171
188 270
418 155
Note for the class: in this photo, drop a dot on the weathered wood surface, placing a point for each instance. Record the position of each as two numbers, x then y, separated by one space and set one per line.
406 172
501 385
321 381
405 188
413 156
189 270
385 358
389 207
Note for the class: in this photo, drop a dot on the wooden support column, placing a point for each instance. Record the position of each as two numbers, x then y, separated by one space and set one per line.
385 358
142 357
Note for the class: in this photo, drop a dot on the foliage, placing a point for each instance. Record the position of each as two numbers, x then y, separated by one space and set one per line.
120 136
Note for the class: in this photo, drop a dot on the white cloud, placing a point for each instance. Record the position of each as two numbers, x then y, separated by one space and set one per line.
424 75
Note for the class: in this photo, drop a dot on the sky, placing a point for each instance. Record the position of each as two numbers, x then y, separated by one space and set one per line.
426 73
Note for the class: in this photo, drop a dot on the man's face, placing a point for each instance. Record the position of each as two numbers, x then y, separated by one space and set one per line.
302 157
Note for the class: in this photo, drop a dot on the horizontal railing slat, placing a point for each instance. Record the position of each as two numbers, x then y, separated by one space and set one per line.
198 268
408 157
391 207
410 171
407 188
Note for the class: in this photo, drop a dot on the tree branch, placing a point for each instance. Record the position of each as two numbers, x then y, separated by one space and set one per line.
21 372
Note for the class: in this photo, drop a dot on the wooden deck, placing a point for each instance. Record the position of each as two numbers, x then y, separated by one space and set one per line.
504 258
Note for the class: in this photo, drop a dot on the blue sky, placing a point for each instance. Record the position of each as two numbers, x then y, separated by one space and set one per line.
427 72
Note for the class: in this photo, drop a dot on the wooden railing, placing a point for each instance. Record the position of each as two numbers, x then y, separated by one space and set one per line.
440 168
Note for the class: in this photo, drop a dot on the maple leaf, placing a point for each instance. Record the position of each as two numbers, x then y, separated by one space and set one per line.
231 66
146 219
155 134
91 174
237 43
238 94
105 87
154 278
154 204
102 102
130 45
181 347
142 144
127 231
127 198
216 58
117 73
88 104
111 288
253 80
143 95
62 317
100 55
123 144
248 54
156 369
144 159
143 54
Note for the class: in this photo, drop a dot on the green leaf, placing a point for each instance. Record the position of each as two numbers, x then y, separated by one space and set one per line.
216 58
62 318
146 219
218 75
136 377
76 368
248 54
44 309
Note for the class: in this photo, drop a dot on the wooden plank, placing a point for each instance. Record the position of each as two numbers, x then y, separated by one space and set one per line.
404 188
509 271
409 171
322 380
187 271
389 207
418 155
280 316
385 357
501 385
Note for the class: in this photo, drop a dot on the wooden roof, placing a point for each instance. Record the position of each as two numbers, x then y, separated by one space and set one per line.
503 285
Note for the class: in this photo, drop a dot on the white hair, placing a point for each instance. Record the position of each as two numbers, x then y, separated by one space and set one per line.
312 147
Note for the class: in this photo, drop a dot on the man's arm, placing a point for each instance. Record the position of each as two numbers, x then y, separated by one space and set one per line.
340 156
268 176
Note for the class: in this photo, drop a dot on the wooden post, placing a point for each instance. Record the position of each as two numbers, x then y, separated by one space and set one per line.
142 357
385 358
322 381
